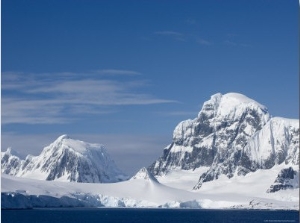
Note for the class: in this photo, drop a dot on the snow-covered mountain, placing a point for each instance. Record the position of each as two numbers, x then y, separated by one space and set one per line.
65 159
232 135
233 155
144 174
288 178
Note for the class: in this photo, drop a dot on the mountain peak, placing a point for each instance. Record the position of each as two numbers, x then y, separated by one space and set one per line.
237 99
64 142
233 134
238 96
233 95
62 137
11 152
144 174
231 100
231 106
68 159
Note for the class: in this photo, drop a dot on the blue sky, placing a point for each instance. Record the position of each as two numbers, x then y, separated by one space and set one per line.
125 73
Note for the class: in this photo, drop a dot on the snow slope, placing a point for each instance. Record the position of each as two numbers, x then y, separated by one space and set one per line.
144 191
65 159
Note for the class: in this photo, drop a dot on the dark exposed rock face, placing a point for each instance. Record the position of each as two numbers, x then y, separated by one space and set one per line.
231 135
288 178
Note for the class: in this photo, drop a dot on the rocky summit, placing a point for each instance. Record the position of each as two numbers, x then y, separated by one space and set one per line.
286 179
66 160
232 135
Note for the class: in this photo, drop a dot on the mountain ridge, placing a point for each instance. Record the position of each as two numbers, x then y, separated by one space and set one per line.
232 135
65 159
234 154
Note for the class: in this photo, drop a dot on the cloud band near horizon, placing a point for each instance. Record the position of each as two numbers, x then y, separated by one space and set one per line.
57 97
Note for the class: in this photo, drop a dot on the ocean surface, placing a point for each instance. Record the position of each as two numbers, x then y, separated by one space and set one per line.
130 215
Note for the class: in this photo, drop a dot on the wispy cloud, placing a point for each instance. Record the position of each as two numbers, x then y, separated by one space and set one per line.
57 98
188 37
187 114
175 35
117 72
168 33
191 21
22 110
184 113
203 42
232 43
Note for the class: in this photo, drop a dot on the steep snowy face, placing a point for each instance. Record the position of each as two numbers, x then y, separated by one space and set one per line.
67 159
223 114
232 134
10 162
144 174
222 127
275 143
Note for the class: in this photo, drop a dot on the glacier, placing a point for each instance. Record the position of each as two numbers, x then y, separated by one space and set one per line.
142 191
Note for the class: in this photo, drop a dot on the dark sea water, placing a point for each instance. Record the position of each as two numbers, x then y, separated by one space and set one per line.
127 215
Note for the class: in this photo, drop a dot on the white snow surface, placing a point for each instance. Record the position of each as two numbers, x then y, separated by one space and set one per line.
66 160
143 174
279 137
238 192
231 105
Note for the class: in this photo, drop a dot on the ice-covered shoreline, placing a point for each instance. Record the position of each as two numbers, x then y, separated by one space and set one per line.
21 193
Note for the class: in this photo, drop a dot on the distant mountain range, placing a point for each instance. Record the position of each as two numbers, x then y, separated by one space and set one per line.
233 146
